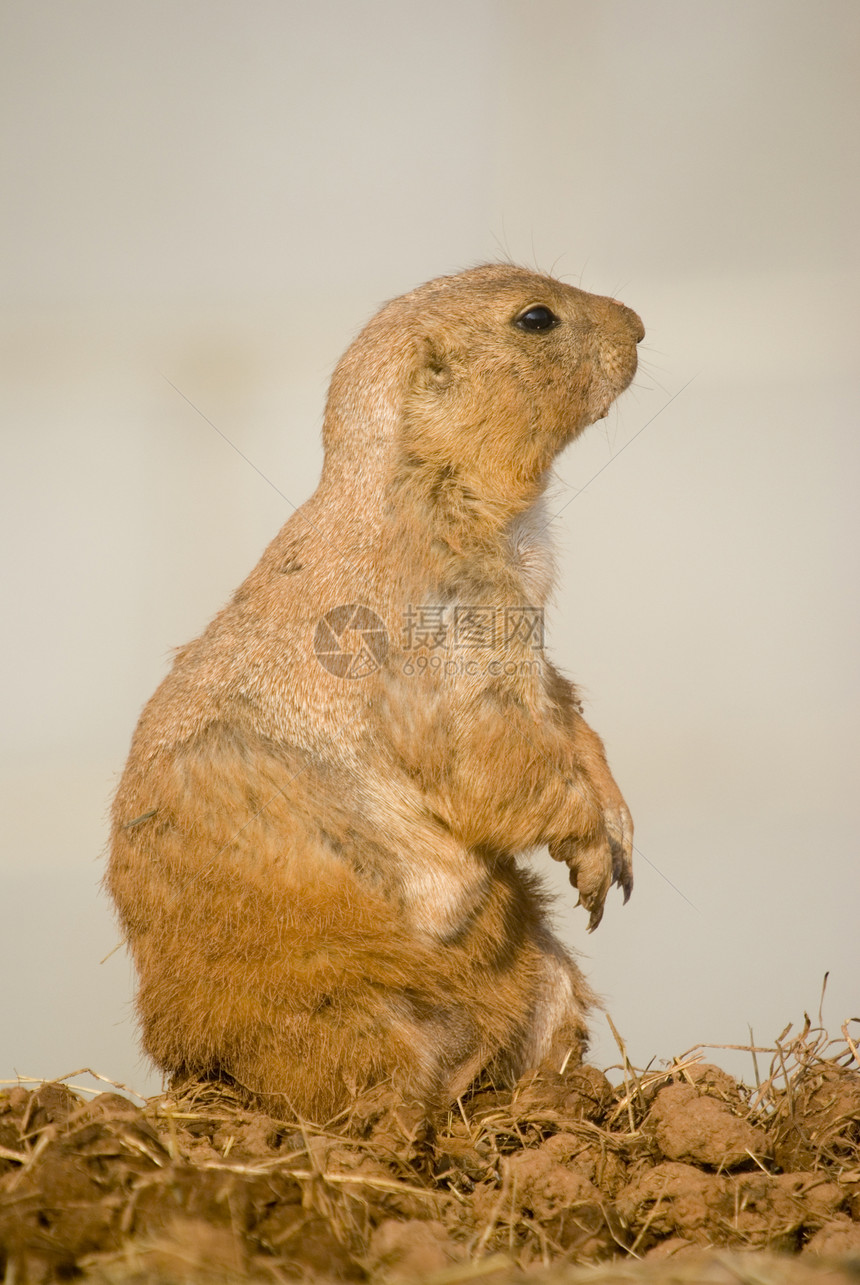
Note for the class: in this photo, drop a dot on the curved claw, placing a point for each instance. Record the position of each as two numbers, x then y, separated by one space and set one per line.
592 904
595 866
590 868
619 828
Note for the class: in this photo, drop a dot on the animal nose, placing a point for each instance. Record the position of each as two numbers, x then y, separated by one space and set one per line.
633 320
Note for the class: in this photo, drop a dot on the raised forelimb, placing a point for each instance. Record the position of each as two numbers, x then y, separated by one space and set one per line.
599 853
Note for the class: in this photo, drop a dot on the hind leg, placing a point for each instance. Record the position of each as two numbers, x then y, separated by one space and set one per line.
305 1016
559 998
524 990
558 1032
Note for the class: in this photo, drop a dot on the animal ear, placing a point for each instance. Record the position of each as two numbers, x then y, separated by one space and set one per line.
435 364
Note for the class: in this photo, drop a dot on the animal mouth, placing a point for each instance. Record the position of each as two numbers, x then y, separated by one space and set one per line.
601 409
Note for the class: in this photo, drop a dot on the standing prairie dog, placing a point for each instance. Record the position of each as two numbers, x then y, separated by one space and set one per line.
315 841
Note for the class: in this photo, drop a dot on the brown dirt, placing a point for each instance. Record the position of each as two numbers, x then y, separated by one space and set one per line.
678 1175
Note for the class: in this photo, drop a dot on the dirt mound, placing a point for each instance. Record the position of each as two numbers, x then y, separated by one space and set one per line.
566 1169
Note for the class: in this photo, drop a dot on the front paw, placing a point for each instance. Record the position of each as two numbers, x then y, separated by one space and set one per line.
596 865
590 866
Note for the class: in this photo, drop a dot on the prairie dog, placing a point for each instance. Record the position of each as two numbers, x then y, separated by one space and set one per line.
315 841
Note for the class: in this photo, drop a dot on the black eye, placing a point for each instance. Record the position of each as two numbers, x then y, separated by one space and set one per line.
537 317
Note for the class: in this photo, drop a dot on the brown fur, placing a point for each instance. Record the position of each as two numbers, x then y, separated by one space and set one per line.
318 875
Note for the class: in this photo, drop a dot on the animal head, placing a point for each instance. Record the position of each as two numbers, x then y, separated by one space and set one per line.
481 379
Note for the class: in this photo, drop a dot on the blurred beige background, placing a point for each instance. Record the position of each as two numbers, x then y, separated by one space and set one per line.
217 194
